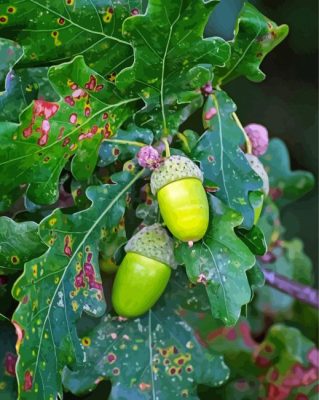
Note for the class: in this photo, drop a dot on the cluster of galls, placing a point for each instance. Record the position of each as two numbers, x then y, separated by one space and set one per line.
177 182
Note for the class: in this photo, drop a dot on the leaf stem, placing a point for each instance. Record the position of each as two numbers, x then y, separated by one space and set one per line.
184 140
4 318
303 293
129 142
167 150
247 140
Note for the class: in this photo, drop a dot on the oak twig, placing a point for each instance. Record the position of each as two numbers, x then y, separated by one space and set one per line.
305 294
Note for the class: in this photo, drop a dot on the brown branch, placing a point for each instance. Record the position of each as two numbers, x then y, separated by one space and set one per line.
304 293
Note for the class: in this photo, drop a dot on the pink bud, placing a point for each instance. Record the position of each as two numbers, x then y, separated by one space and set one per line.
268 258
148 157
207 89
202 279
210 113
258 136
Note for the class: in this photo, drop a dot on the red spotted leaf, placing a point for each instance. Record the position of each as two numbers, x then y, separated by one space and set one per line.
50 133
56 288
156 356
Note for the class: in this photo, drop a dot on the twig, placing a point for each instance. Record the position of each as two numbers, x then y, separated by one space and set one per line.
247 140
304 293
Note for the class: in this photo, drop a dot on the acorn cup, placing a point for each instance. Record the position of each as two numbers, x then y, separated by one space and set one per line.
182 199
144 272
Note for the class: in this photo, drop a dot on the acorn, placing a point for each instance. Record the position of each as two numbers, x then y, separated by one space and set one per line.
178 184
144 272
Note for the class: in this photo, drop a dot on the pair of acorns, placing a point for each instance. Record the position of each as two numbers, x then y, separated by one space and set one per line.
146 268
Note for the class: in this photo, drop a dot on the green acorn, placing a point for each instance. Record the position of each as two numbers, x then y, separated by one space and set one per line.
178 184
144 272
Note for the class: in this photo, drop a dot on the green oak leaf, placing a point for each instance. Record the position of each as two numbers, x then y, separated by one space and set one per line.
220 262
110 245
254 239
284 365
56 288
269 222
50 133
8 358
223 162
10 53
39 76
255 277
17 95
255 36
19 243
147 210
286 186
124 144
156 356
78 190
163 74
55 32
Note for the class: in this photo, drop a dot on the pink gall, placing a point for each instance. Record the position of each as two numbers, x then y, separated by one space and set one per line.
258 136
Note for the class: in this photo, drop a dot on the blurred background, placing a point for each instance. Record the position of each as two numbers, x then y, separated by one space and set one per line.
286 102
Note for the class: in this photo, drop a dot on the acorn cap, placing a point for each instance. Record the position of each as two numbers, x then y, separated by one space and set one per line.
173 169
153 242
257 166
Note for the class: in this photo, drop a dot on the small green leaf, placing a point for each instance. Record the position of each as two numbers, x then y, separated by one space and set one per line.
222 160
154 356
164 74
56 288
8 358
254 239
50 133
255 277
255 37
269 222
19 243
220 262
286 186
